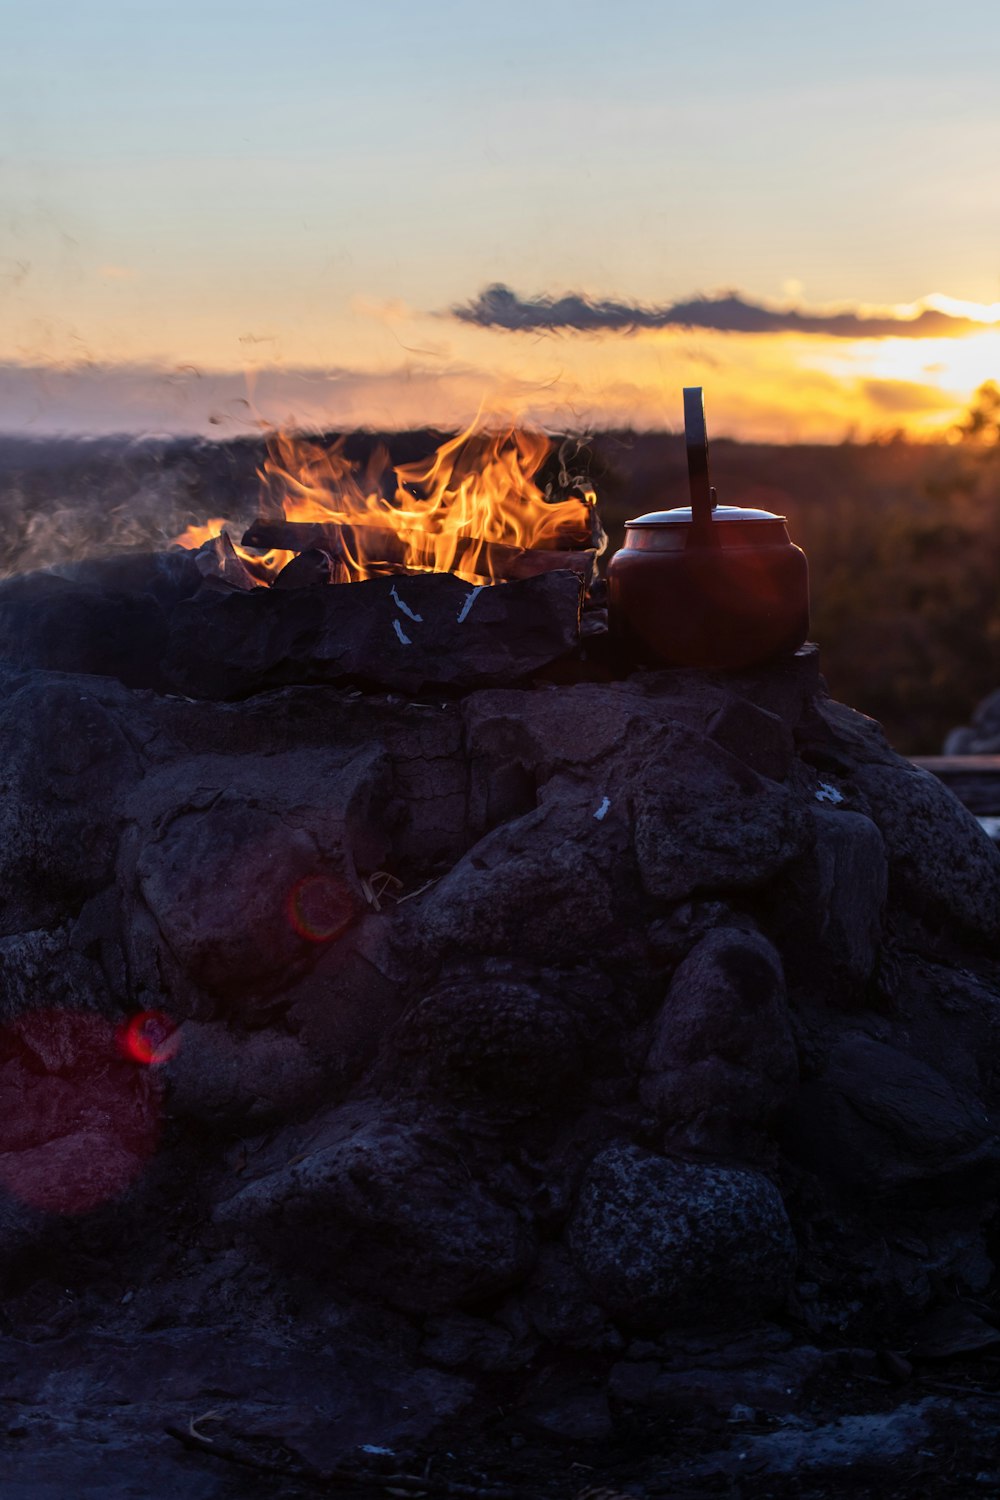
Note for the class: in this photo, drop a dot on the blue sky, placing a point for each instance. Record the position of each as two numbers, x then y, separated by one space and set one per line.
218 183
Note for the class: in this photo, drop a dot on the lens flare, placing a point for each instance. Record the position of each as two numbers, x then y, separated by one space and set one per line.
319 908
78 1119
149 1038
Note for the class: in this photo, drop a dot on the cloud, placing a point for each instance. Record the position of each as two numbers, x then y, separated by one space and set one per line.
498 306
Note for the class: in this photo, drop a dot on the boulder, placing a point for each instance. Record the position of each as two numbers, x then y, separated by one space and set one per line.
702 820
665 1243
722 1060
881 1121
388 1208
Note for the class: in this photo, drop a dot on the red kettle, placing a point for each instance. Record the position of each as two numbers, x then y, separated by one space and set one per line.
707 585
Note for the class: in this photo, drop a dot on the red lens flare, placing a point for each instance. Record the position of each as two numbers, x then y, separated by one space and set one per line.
319 908
78 1119
149 1038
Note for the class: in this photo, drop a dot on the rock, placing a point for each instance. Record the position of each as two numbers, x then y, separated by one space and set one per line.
704 821
882 1121
664 1243
561 1305
942 866
494 1037
429 630
835 914
754 1380
459 1340
52 623
982 737
563 1405
248 876
722 1060
388 1209
41 969
67 764
871 1440
78 1119
547 887
230 1079
760 739
343 1008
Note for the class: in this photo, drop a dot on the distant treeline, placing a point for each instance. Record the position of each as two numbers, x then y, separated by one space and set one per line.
903 538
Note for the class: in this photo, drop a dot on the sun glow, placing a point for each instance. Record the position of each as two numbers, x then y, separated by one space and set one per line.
954 367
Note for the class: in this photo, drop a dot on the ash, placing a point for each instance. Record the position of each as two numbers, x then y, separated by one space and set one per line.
536 1080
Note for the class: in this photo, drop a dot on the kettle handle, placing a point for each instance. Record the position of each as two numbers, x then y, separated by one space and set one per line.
703 497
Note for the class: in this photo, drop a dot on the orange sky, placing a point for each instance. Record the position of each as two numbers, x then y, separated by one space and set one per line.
194 191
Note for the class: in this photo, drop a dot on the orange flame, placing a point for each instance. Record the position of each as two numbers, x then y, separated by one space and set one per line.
468 509
262 566
476 492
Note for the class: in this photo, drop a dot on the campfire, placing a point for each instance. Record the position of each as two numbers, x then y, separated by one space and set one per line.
477 508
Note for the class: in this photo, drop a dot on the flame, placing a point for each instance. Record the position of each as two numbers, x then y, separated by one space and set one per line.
477 491
197 536
454 512
262 566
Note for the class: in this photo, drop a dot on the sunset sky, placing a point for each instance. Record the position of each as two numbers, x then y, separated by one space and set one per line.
213 210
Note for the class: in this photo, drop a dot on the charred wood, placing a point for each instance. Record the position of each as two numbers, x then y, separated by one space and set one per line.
381 549
430 630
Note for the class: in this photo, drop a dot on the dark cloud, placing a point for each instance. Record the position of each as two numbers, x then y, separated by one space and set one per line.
500 307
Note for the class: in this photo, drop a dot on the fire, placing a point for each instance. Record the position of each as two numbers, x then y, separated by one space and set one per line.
263 567
478 491
473 508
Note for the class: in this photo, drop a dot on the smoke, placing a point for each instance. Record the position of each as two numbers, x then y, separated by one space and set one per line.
498 306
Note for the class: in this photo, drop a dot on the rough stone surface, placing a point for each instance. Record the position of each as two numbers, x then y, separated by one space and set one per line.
837 906
882 1121
388 1208
523 1041
662 1242
708 822
944 866
722 1060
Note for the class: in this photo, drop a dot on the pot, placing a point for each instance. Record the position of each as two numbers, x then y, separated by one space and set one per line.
705 585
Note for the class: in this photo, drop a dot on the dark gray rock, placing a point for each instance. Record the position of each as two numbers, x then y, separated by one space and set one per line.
704 821
561 1305
229 1079
458 1340
834 914
348 1002
479 1037
982 736
762 740
41 969
882 1121
386 1208
249 872
549 886
428 630
747 1377
942 866
664 1243
67 765
51 623
722 1060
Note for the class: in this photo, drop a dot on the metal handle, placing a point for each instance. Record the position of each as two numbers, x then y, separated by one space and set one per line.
703 497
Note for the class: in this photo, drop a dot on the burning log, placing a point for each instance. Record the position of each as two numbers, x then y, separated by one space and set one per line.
311 567
217 559
376 550
428 630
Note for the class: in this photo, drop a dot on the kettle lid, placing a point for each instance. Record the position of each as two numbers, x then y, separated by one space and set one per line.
682 515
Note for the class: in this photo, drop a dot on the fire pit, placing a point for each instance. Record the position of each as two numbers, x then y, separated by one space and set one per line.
555 1057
